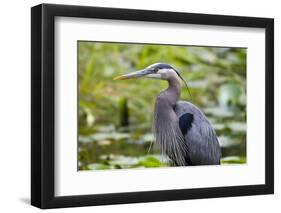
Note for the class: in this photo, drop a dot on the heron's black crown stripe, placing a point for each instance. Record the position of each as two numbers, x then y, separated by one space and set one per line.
185 122
163 66
160 66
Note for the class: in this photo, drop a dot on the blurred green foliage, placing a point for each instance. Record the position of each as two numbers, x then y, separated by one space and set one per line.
116 117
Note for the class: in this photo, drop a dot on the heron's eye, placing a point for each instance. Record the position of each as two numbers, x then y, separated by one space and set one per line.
154 69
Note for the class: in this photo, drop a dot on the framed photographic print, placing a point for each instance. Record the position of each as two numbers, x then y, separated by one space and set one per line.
139 106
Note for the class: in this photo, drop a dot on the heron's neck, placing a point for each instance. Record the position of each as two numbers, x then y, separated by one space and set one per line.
171 95
173 92
166 100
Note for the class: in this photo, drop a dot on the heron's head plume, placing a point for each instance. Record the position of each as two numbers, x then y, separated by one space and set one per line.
157 71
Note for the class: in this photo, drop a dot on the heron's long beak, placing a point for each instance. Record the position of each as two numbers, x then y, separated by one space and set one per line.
137 74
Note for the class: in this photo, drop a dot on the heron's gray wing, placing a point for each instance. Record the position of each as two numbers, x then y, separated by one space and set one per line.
199 135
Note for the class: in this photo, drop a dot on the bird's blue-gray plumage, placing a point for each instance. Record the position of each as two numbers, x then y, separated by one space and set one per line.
181 129
200 136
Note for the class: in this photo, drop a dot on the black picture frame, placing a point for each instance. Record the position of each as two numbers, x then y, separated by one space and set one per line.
43 102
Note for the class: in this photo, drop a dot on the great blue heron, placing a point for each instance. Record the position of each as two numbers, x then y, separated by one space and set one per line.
181 129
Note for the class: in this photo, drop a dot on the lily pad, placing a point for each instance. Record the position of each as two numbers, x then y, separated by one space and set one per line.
233 160
99 166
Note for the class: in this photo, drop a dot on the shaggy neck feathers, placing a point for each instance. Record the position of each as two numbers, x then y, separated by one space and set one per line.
166 125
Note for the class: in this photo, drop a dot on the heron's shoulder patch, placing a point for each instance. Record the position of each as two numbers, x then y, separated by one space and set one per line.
185 122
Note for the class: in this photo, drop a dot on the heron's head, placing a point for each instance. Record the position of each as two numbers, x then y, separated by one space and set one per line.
157 71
